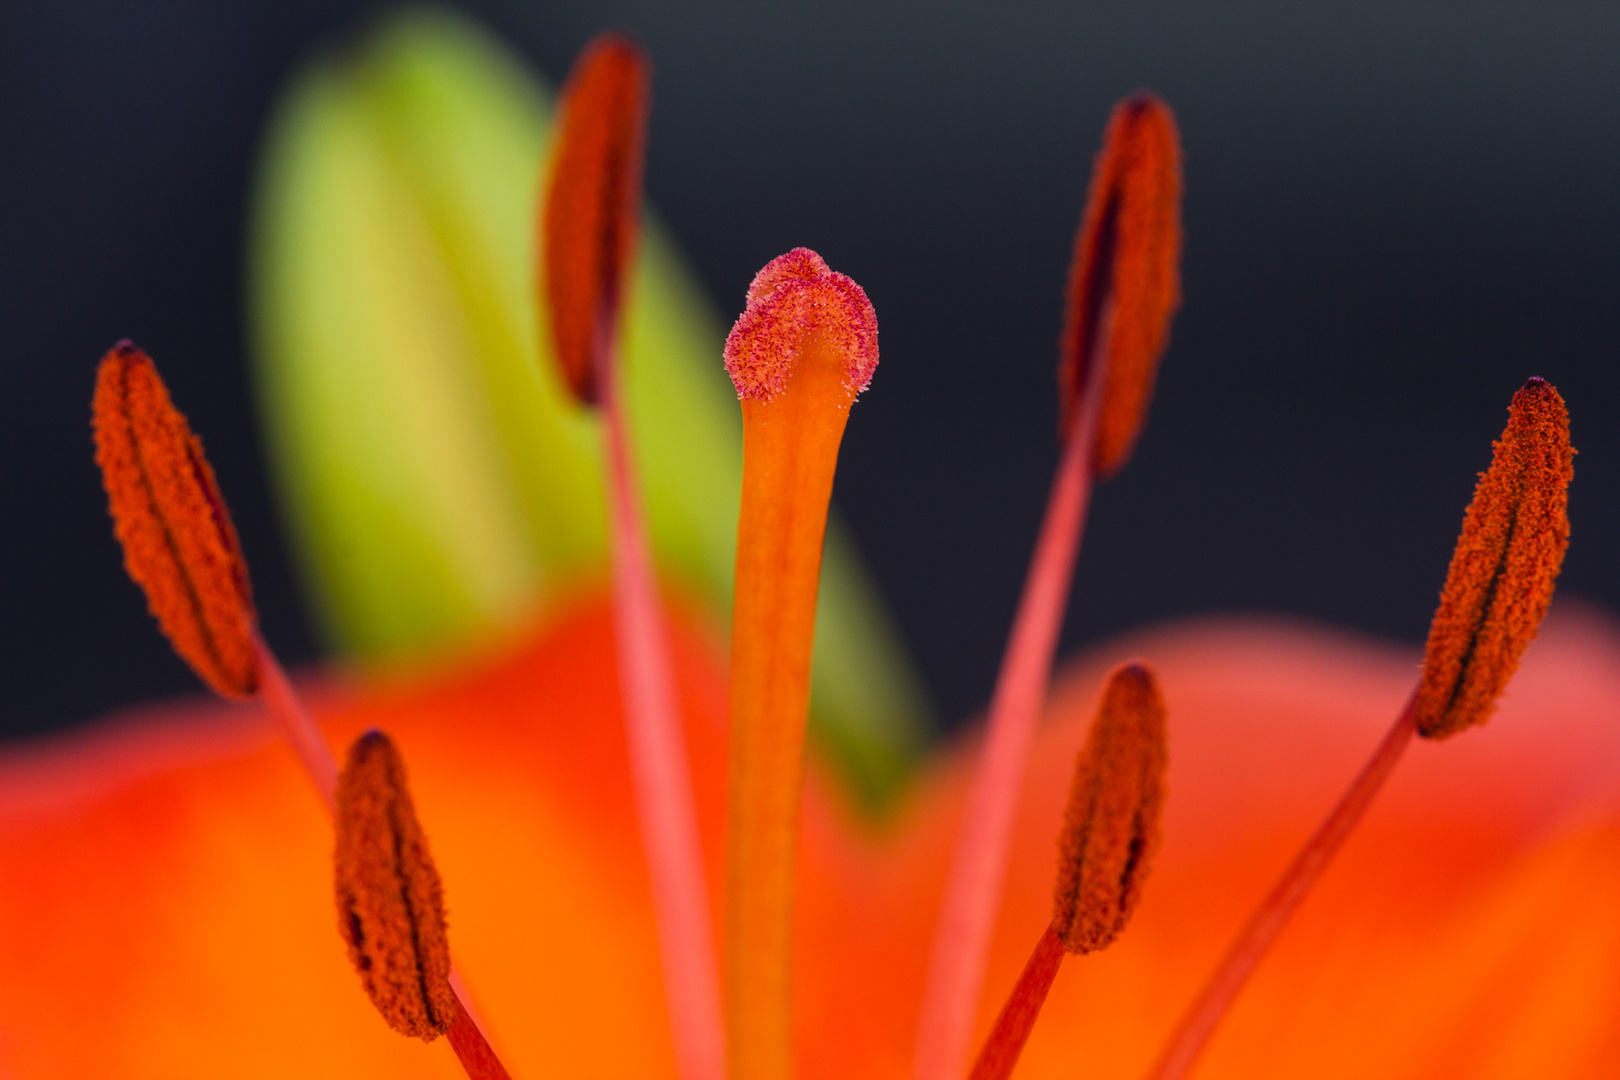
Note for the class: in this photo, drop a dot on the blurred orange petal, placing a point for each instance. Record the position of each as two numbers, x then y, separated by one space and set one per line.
167 899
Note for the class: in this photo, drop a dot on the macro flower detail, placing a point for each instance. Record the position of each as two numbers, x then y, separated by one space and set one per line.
595 774
390 901
178 540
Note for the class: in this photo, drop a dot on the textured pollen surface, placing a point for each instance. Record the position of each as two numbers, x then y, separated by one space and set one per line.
795 295
1111 824
179 543
1126 257
390 903
1504 568
592 203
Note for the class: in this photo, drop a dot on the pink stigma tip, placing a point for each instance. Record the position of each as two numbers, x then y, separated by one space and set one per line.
794 295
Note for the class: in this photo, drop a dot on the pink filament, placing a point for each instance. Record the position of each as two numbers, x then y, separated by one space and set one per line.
659 771
979 865
299 728
1200 1021
1018 1016
477 1059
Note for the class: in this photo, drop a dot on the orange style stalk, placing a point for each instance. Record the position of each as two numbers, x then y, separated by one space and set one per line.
589 223
1122 291
1497 590
802 350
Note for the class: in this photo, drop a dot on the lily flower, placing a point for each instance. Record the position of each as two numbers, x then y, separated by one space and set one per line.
178 903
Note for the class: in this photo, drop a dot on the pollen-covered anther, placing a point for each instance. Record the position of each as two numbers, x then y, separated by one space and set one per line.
1111 824
1124 282
389 899
794 298
178 540
1506 563
590 218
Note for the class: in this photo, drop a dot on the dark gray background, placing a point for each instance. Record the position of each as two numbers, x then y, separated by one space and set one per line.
1394 215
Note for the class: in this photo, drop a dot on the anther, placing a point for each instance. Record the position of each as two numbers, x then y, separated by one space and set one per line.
592 204
1504 567
1124 283
1111 824
178 540
390 903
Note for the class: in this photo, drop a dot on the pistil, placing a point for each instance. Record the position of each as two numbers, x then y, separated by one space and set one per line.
1497 591
1122 291
589 227
803 349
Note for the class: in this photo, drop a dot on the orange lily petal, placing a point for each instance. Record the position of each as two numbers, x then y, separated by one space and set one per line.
167 900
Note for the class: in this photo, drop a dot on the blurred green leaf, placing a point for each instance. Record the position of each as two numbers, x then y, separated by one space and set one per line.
437 478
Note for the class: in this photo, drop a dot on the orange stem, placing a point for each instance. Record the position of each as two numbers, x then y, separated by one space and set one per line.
659 769
790 450
1200 1021
979 863
1017 1017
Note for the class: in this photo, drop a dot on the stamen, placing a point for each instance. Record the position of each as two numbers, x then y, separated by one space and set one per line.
1122 292
1110 834
181 548
1502 574
1497 591
591 207
805 346
179 543
590 221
